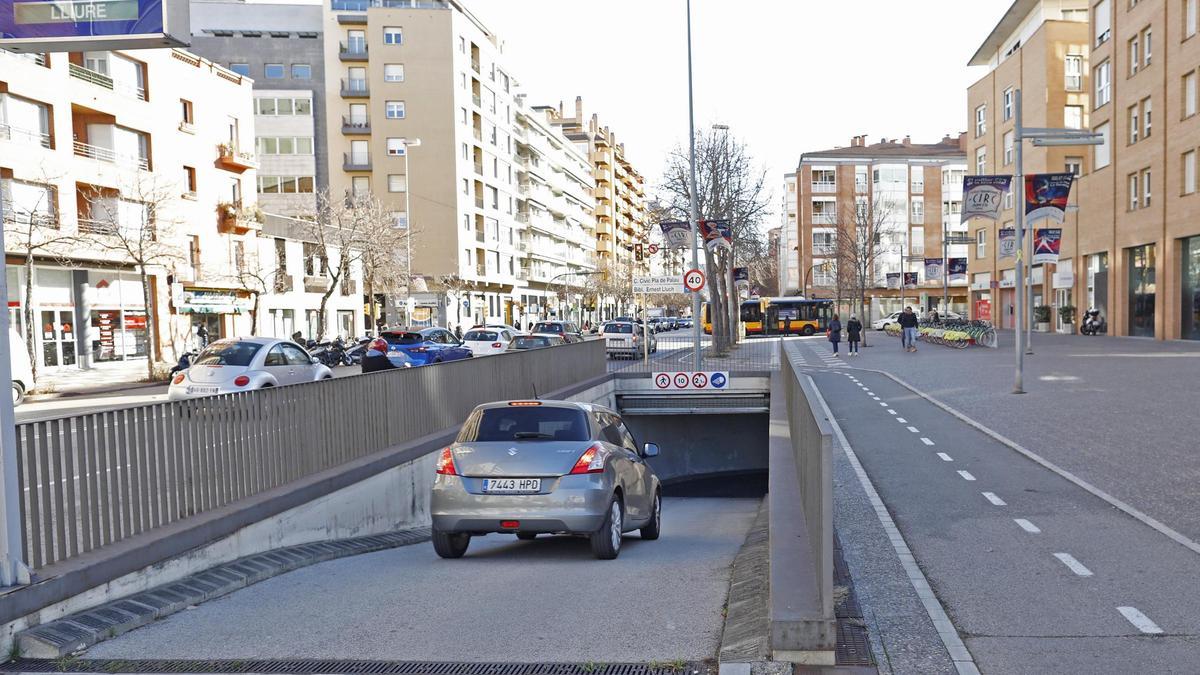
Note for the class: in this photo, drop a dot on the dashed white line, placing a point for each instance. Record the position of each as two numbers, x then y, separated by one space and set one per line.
926 441
883 403
1078 568
891 412
1139 620
1027 526
914 430
991 497
901 420
945 457
966 475
875 397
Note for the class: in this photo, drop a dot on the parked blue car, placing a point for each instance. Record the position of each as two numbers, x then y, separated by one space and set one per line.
427 345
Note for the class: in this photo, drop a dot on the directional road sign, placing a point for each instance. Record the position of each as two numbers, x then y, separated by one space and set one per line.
653 285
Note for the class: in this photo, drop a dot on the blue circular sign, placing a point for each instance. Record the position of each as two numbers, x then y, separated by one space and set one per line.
718 381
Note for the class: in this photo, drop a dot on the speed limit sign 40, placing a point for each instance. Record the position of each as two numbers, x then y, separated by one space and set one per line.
693 280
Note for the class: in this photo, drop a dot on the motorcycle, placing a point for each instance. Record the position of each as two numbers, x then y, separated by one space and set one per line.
185 362
1093 323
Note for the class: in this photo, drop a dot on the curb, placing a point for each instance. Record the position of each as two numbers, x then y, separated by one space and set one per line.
62 637
744 635
35 397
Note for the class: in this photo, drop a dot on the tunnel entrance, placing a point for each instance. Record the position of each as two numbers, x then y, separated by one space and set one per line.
707 455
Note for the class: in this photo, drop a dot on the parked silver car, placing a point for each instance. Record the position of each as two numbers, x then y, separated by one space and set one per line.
242 364
538 467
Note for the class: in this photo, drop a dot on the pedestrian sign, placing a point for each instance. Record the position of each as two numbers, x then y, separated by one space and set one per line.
662 380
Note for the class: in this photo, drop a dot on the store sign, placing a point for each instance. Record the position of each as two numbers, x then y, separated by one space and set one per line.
211 302
85 25
983 310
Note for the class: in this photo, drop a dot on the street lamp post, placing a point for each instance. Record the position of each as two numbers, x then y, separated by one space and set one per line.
407 143
12 570
693 208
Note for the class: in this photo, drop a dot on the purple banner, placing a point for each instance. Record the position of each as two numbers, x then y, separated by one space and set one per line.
676 234
910 280
958 269
983 196
32 19
1046 245
1046 196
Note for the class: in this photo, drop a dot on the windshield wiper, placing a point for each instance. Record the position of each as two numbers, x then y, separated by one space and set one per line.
532 434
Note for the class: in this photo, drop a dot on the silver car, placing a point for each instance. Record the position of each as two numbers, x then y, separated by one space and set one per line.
545 467
241 364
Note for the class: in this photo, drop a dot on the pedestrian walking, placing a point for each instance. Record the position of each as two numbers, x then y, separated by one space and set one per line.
835 333
908 330
458 331
202 337
853 334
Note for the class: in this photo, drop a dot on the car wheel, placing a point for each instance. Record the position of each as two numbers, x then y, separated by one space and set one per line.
18 393
606 542
653 529
808 330
527 536
450 544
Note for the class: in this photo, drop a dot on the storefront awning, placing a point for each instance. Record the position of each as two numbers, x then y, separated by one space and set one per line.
211 301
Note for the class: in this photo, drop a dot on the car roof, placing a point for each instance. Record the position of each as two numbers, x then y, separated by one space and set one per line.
252 339
545 335
547 403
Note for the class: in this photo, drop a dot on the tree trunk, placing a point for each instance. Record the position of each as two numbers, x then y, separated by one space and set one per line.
321 310
715 306
151 324
373 329
254 314
30 347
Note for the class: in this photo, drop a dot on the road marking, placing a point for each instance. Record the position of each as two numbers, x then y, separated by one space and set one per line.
874 397
914 430
926 441
1139 620
991 497
963 662
966 475
891 412
1078 568
901 420
1026 525
883 403
945 457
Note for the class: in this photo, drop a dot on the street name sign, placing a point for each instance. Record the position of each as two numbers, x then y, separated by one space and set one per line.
88 25
707 380
657 285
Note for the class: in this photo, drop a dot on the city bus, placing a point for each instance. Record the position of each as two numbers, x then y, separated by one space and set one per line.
783 316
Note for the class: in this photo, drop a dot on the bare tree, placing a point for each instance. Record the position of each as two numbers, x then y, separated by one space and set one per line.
259 280
387 267
864 235
137 223
613 281
32 229
729 186
454 286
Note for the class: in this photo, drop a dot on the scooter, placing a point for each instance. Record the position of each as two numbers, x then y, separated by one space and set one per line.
185 362
1093 323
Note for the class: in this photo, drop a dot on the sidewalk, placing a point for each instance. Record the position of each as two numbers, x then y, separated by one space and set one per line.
1120 413
102 378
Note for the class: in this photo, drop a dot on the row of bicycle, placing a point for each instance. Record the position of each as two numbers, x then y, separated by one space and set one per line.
956 334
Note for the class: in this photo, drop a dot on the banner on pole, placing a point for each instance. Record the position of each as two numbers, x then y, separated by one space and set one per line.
958 269
741 278
716 234
910 280
1046 244
893 280
676 234
983 196
1046 196
933 268
1007 241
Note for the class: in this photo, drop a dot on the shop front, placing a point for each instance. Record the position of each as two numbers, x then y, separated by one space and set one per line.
213 313
1140 261
1189 326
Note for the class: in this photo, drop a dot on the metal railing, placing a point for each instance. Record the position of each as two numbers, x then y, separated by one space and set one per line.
11 133
824 186
355 87
93 226
92 480
352 50
356 124
102 80
824 219
364 5
110 156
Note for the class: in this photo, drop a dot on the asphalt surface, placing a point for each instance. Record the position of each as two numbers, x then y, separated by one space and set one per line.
1022 601
545 600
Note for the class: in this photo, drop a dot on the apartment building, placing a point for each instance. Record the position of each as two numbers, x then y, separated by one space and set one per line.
789 240
556 240
1041 48
279 47
147 146
911 193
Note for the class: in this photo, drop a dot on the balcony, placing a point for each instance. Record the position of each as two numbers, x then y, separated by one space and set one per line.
353 51
824 186
481 269
316 284
355 88
479 168
234 220
349 286
824 219
231 158
823 249
110 156
102 80
355 125
93 226
23 136
355 162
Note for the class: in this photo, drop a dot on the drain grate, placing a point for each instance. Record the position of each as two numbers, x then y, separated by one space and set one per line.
853 645
322 666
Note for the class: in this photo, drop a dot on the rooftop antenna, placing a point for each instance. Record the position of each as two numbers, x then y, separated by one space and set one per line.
535 394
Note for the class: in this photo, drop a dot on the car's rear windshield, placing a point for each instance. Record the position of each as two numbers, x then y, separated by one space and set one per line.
403 338
547 328
531 342
227 353
618 328
481 336
522 423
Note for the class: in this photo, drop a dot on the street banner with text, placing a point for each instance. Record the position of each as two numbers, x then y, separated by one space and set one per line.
958 269
1046 245
910 280
716 234
1046 196
983 196
676 234
893 280
741 278
1007 241
933 268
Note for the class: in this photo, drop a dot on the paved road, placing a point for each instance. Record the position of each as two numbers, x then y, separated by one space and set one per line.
546 600
1037 574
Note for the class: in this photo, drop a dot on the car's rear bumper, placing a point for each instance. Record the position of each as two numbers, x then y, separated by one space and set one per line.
576 504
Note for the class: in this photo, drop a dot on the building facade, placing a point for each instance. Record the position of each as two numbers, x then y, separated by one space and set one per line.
127 160
1040 48
789 239
908 193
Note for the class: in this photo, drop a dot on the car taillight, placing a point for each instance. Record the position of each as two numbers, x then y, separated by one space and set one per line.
178 378
496 345
241 380
591 461
445 463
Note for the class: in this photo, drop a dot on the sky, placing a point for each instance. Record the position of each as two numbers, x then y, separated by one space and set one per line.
787 76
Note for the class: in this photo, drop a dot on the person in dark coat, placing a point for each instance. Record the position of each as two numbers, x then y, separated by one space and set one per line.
853 334
908 328
835 333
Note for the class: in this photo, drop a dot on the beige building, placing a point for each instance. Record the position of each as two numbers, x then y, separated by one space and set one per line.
148 145
1041 48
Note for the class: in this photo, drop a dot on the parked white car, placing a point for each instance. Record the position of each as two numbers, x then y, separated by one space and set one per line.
882 324
488 341
22 371
242 364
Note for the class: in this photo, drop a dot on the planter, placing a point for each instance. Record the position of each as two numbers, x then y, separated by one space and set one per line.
1042 327
1067 330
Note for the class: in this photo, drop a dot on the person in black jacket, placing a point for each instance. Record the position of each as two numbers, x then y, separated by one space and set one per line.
835 333
908 328
853 334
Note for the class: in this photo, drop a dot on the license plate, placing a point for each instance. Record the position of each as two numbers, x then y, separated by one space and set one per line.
616 343
200 391
512 485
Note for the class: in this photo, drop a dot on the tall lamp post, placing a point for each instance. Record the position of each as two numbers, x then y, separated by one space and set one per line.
407 143
693 208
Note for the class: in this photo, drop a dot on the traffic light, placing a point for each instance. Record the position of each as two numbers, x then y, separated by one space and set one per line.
638 254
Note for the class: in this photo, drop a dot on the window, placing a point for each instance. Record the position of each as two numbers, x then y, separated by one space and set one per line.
1145 188
918 210
981 161
1008 200
1134 194
186 112
301 71
274 71
1073 116
1189 94
980 243
1008 103
917 181
393 72
393 35
395 147
1146 118
394 110
1135 55
360 186
240 68
397 183
1102 15
1074 165
1008 148
1073 71
1189 172
189 179
1189 18
1146 51
1100 77
981 120
1135 124
1103 152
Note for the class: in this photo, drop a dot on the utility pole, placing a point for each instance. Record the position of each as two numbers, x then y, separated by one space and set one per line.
693 209
13 570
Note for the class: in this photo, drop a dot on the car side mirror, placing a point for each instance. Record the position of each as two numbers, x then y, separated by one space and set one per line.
314 360
650 450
